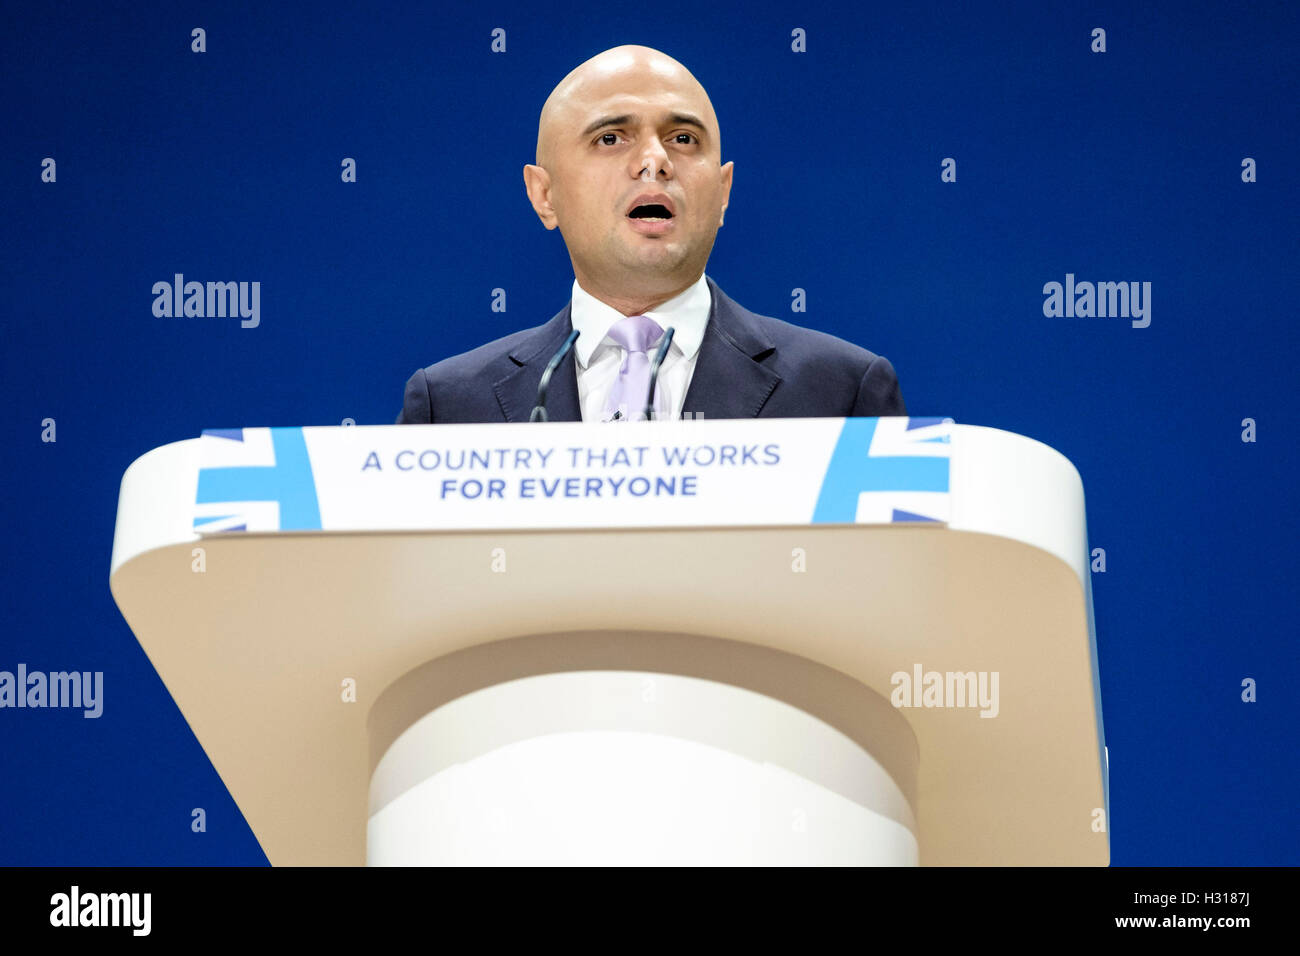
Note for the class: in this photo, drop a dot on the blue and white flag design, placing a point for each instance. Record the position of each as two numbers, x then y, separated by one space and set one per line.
887 471
255 479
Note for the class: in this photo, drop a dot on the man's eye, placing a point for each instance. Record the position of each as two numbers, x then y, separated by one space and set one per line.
607 135
691 135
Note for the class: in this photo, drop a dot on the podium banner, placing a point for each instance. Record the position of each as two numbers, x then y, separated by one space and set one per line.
693 473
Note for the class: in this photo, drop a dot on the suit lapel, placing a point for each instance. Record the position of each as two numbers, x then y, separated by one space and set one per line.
517 391
729 381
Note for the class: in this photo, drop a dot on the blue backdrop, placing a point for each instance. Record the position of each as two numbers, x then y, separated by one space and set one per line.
1123 165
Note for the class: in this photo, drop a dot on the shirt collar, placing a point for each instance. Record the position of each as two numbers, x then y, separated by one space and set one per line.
687 313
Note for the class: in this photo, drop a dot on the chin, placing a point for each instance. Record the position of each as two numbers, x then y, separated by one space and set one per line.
656 250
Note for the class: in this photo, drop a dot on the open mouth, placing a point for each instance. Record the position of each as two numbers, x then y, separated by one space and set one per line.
653 212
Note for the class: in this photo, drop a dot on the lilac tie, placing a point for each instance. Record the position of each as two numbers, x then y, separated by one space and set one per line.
637 334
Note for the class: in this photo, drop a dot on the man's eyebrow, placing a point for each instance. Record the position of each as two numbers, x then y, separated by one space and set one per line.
675 119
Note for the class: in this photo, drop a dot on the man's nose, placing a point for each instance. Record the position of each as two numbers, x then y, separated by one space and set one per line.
653 159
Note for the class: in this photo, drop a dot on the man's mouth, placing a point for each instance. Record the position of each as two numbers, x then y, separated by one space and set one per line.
652 215
652 212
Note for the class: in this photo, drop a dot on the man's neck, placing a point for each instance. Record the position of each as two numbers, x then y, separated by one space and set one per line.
635 304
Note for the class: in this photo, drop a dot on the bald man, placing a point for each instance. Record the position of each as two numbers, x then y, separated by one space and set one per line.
629 170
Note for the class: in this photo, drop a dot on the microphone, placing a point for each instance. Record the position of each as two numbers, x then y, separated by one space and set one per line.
654 371
538 413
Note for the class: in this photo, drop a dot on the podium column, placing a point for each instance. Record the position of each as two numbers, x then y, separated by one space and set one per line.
641 748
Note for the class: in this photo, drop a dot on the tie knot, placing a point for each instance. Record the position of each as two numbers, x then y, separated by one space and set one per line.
636 333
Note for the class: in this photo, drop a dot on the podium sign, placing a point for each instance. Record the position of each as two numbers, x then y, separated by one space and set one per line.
571 475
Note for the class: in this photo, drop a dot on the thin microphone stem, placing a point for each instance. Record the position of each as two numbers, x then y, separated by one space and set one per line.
539 410
654 371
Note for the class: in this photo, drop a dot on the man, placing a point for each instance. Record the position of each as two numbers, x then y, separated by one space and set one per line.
628 154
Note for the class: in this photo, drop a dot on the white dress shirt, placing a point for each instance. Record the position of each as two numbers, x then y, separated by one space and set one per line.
599 357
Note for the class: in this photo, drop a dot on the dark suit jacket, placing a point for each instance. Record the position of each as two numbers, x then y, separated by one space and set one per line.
748 366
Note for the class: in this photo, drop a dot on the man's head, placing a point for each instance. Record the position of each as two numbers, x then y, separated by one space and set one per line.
628 123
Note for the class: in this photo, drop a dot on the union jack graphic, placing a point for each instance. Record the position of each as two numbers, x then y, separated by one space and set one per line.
255 479
886 471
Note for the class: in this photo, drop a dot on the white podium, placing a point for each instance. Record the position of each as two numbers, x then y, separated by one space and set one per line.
861 641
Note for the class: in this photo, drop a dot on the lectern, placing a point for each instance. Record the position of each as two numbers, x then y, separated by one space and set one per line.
799 641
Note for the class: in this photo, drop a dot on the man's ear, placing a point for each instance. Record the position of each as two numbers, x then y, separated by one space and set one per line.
726 190
537 183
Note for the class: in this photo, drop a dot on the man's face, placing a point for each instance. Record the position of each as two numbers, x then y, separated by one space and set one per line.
624 129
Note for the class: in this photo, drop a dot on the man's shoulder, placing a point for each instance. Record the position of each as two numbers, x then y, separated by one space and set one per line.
490 355
819 374
454 386
796 343
815 340
494 357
